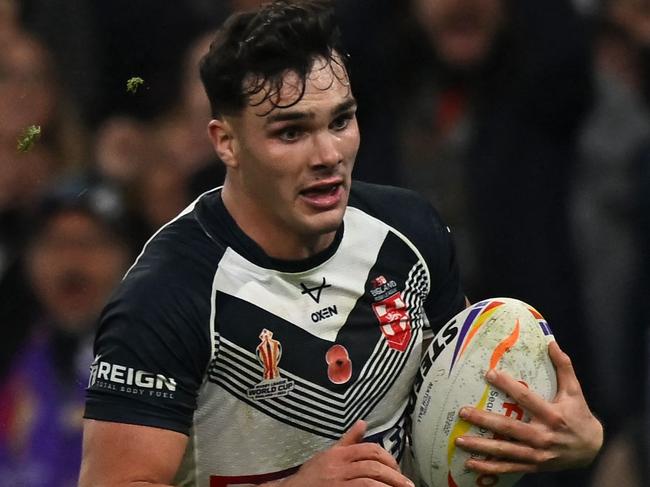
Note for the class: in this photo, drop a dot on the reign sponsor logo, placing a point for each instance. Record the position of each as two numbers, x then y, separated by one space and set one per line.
115 377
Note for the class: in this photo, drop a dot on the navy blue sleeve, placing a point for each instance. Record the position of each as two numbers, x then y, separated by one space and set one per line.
153 345
446 296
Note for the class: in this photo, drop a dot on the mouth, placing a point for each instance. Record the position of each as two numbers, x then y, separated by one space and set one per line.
463 21
323 195
73 285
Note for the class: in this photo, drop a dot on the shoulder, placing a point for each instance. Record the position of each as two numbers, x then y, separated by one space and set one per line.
163 304
402 209
413 218
389 202
179 253
172 277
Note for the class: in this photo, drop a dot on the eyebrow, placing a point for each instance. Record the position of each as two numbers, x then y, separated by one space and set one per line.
292 115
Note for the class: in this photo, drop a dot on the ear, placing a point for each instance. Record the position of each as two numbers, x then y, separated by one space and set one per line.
222 136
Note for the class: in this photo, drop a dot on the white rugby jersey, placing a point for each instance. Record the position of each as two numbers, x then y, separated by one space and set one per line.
264 362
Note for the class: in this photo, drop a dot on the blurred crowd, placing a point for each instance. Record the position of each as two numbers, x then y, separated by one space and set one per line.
525 122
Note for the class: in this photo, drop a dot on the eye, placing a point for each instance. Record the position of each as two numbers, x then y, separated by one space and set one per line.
341 122
289 134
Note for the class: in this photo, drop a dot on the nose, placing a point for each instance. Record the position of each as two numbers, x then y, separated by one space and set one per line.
326 150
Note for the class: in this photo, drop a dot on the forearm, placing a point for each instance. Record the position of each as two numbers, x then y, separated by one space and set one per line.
86 482
126 455
88 479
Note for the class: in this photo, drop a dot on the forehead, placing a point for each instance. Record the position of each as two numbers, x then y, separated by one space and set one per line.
441 9
326 83
71 221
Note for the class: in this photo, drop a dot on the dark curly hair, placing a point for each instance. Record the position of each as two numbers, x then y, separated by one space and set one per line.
252 52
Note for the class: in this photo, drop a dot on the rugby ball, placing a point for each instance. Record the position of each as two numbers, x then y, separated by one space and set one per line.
501 333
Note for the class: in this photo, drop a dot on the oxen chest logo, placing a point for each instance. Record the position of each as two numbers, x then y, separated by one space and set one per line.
392 313
315 291
269 352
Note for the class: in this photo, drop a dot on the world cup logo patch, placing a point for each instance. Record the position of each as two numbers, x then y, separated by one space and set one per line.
269 353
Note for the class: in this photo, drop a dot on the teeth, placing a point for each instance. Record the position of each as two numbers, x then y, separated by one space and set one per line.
322 189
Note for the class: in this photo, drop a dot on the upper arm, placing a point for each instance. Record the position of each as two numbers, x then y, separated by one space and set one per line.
119 454
446 297
151 351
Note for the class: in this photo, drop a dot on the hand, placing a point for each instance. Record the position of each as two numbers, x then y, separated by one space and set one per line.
349 462
562 434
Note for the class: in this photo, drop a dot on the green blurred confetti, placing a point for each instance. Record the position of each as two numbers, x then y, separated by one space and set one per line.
133 84
29 136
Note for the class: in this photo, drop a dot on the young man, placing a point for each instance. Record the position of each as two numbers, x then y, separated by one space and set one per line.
271 333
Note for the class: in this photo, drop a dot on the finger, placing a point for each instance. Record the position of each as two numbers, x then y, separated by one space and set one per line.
497 467
504 426
503 450
522 395
368 469
353 435
566 376
370 451
365 483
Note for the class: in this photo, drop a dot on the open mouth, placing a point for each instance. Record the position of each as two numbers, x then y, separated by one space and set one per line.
323 196
73 285
323 190
463 22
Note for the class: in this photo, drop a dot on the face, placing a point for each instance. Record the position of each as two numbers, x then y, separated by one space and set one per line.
462 31
289 169
163 193
23 176
27 86
74 265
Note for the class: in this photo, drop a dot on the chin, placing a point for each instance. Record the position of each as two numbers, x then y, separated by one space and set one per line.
326 222
465 52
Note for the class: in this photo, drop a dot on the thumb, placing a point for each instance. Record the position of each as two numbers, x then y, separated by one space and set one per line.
354 435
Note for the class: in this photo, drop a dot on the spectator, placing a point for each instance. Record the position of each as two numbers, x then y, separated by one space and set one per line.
132 151
604 215
124 147
181 131
76 256
161 193
29 95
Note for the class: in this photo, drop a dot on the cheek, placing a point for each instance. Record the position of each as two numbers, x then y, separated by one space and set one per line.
431 13
352 141
43 266
106 266
491 11
276 168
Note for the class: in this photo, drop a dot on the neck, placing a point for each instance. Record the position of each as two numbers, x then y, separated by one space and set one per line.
274 238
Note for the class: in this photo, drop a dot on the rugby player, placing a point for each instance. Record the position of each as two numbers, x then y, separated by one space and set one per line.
270 334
